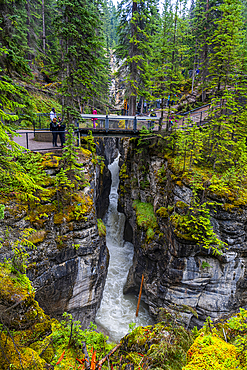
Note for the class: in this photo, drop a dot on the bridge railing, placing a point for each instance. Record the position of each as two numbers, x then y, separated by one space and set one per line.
113 122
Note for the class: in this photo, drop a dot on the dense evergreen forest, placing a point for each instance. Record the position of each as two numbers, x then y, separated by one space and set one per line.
184 55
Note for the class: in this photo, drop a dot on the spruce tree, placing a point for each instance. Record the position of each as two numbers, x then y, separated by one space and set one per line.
227 86
137 22
169 57
81 53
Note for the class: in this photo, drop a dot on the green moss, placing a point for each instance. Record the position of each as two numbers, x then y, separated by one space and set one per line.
101 227
229 207
37 237
44 349
210 352
50 161
123 172
77 210
162 212
39 214
150 233
86 152
170 209
145 216
134 182
122 189
29 358
144 183
43 103
182 205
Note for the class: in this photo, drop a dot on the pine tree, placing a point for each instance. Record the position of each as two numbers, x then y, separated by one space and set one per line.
110 23
13 37
169 57
81 53
136 24
227 85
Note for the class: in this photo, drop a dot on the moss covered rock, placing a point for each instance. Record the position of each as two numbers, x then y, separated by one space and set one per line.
209 352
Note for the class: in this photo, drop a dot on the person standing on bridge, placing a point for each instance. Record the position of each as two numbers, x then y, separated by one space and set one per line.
94 119
53 129
53 114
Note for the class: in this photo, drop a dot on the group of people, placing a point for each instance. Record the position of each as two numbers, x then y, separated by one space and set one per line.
57 128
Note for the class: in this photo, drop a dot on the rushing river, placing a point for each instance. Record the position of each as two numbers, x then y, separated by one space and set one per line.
117 311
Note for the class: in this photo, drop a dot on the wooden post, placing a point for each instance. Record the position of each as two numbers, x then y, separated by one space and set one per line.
139 298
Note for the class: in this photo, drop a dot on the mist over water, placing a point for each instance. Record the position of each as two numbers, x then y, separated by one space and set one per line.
117 311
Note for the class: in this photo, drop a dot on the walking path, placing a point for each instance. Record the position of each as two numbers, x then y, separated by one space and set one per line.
33 144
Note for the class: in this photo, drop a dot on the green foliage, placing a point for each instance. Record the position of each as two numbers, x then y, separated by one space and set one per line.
145 217
101 227
69 333
137 22
110 23
144 135
20 248
221 345
89 143
162 346
205 264
2 207
195 226
238 323
132 326
82 62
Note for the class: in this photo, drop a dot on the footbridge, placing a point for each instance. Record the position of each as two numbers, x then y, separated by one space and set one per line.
40 137
113 125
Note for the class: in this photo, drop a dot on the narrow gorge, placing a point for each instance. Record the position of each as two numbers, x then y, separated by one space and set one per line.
83 268
68 269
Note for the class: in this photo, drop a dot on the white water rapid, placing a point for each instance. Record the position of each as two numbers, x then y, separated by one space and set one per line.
117 311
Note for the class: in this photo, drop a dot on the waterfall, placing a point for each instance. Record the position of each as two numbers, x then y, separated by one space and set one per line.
117 311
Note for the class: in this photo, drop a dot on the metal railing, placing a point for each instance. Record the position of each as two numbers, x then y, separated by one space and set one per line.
114 122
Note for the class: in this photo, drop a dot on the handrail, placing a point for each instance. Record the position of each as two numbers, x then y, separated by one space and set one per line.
118 118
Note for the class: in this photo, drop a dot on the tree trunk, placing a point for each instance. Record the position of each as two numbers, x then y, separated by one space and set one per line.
43 24
205 55
194 70
133 66
132 108
29 57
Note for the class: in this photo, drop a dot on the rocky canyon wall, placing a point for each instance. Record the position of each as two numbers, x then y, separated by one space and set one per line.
68 267
178 273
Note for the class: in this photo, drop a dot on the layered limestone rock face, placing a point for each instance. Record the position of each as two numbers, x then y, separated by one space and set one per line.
176 271
69 265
